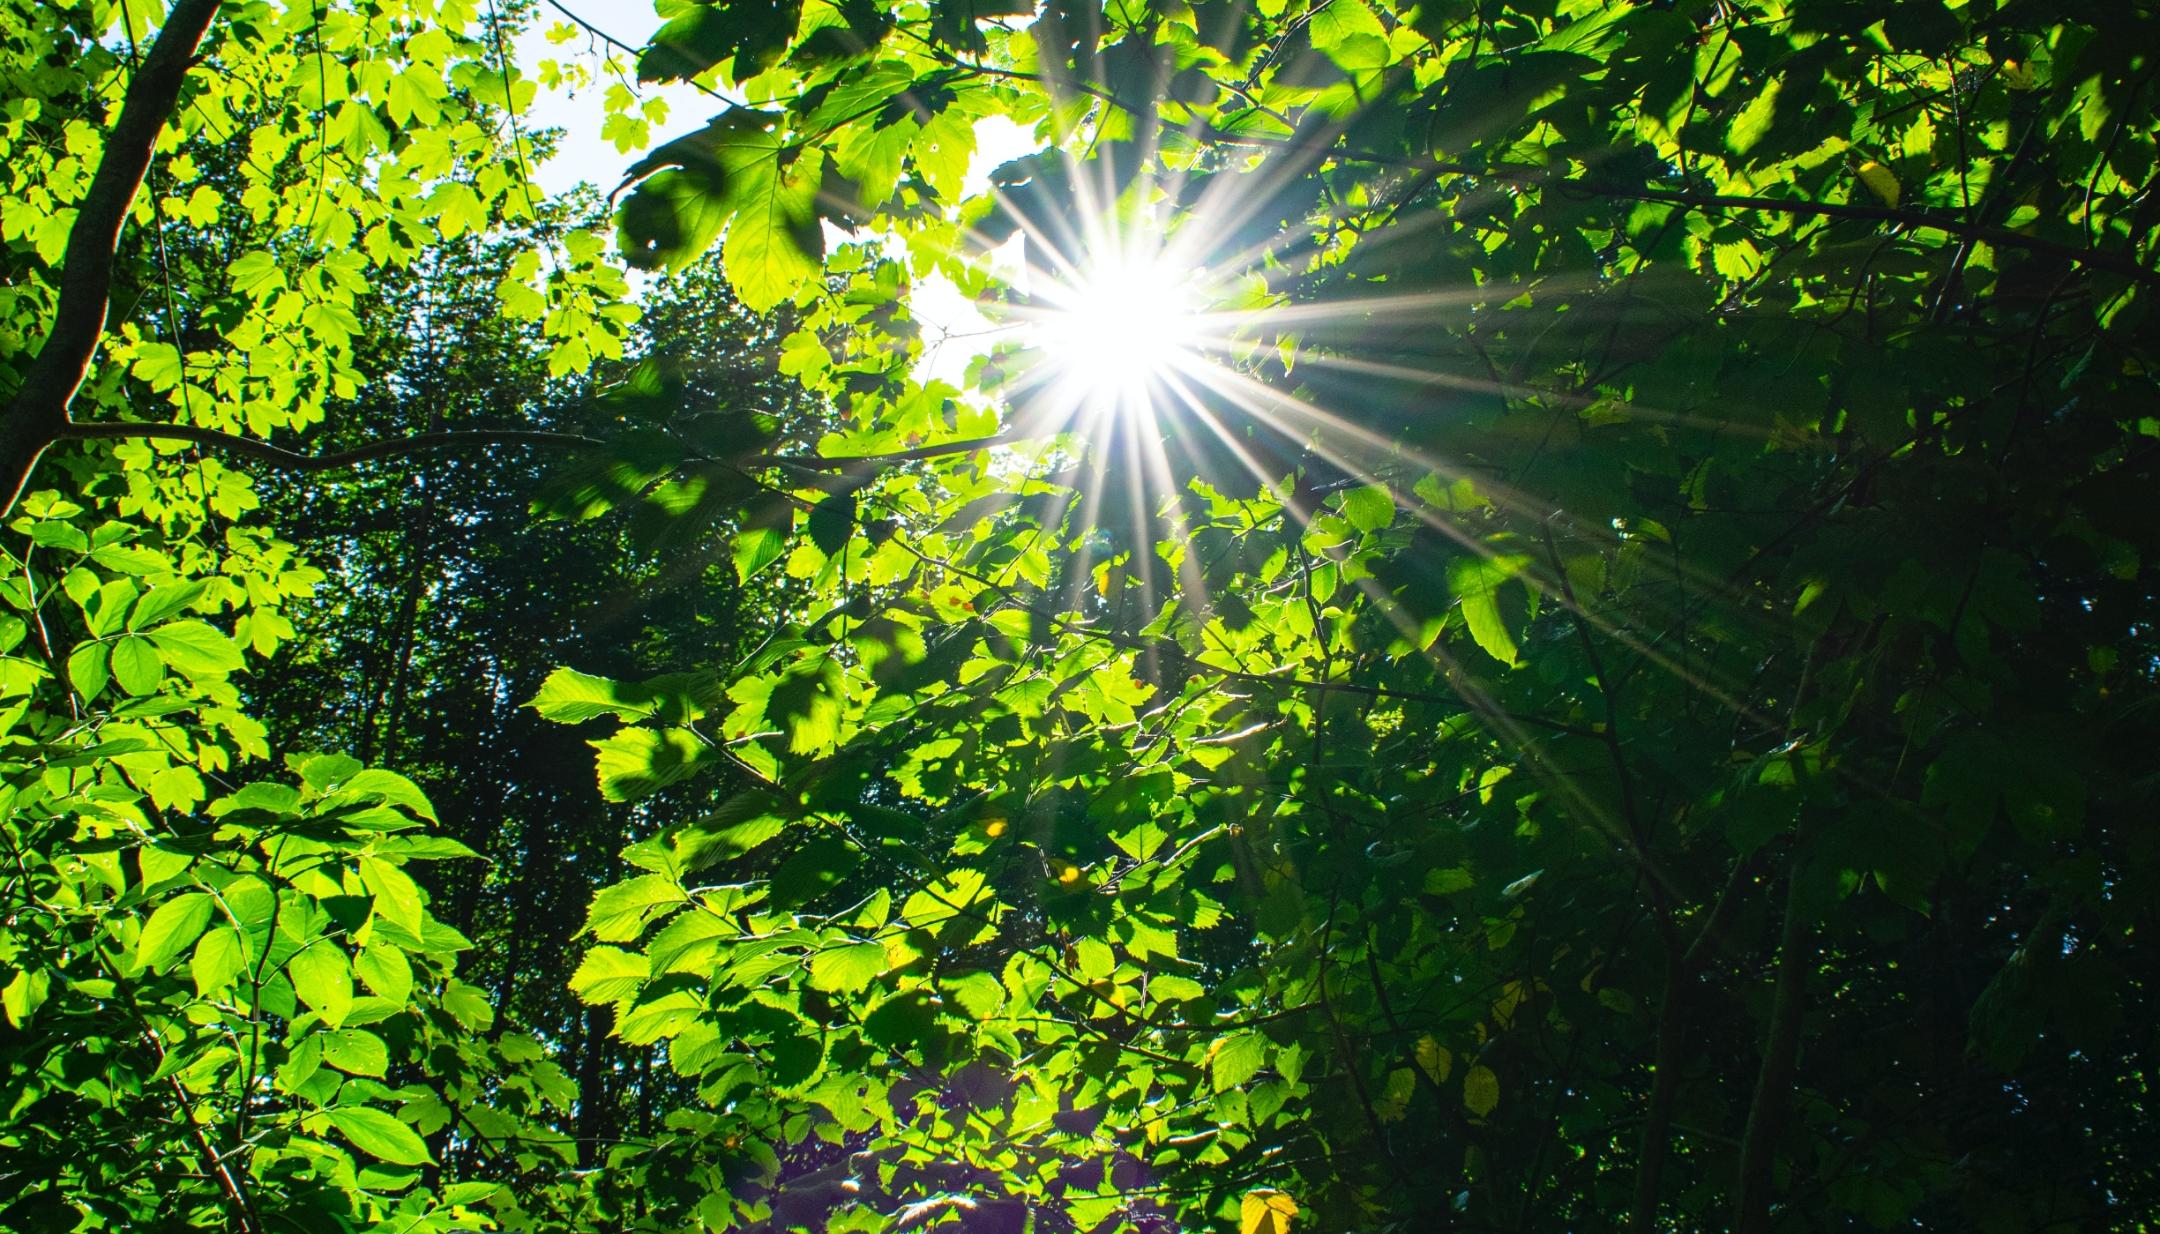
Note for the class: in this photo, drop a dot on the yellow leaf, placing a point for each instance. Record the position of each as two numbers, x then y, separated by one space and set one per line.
2017 76
1511 997
1266 1212
1434 1059
1481 1091
1880 181
1393 1100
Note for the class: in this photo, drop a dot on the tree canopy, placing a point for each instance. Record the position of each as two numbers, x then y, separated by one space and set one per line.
1536 615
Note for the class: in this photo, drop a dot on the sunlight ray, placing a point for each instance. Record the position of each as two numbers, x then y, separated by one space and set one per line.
1413 631
1244 392
1116 322
1406 373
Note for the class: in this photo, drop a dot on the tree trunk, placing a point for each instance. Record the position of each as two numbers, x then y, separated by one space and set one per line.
1664 1093
38 413
596 1109
1773 1085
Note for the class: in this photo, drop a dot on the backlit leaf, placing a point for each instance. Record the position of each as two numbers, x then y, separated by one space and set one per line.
1481 1090
379 1134
175 925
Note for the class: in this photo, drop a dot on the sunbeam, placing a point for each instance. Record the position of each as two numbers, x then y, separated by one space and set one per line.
1118 328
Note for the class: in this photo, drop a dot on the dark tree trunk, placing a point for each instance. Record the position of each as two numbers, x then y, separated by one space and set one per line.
38 414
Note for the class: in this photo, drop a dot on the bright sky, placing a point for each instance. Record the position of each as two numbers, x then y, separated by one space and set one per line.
585 156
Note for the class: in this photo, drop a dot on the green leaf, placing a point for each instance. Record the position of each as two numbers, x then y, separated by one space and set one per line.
256 274
323 772
1448 881
178 787
106 611
1753 121
301 1064
757 548
87 669
176 923
1434 1059
671 218
396 895
196 649
128 559
807 702
775 243
900 1022
389 788
157 365
54 534
620 913
1736 259
847 969
356 1052
688 847
159 603
817 867
688 189
385 971
794 1060
322 977
1235 1059
979 994
1171 988
280 799
468 1004
752 32
609 975
135 665
1340 20
379 1134
1370 508
219 957
1481 1090
571 697
831 522
1476 580
659 1018
24 993
637 762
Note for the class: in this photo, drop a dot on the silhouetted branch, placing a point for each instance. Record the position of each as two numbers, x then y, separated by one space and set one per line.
263 451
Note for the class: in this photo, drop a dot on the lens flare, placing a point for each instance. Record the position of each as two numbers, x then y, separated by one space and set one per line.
1117 329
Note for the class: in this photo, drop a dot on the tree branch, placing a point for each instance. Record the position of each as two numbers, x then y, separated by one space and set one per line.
458 439
1656 1139
1773 1084
812 462
278 456
1533 177
630 51
39 410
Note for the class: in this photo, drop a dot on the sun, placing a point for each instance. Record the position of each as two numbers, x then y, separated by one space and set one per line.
1111 332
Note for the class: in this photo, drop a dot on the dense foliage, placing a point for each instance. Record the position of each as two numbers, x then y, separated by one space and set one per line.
1613 690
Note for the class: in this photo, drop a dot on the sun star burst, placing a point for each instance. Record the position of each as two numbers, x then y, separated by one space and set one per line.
1118 328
